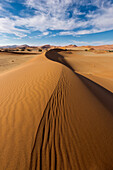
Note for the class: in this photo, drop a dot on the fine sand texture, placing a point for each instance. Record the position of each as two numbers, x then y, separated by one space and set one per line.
9 60
97 66
53 117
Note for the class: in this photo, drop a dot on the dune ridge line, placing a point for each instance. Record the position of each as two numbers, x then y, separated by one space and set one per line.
53 119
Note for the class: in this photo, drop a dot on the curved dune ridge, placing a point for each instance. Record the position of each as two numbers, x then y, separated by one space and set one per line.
54 118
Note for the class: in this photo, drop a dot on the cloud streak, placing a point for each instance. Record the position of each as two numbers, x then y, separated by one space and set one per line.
82 43
65 16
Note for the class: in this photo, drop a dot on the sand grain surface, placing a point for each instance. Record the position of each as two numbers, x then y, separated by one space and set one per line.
54 118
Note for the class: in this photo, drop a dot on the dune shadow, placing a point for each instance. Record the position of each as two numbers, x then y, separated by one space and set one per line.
55 56
102 94
22 53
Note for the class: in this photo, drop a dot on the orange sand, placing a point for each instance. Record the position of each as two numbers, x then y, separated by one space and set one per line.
53 117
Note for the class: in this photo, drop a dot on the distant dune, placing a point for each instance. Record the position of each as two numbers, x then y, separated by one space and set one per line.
14 46
70 46
101 47
56 112
48 46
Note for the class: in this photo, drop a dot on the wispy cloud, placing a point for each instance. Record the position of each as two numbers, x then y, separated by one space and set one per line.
66 16
8 26
83 43
55 15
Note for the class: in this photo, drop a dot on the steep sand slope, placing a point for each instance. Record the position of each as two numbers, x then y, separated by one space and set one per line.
83 123
95 66
50 119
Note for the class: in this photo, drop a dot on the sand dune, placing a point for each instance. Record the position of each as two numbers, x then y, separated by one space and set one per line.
101 47
10 60
53 117
97 67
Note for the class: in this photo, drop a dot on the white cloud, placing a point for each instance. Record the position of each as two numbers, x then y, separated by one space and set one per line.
8 26
54 15
101 20
1 8
81 32
68 33
46 33
85 43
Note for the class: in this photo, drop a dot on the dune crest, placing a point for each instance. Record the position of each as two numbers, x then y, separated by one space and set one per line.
52 119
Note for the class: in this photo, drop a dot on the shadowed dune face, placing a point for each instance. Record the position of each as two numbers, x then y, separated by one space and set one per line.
79 95
55 56
96 67
76 134
104 95
52 118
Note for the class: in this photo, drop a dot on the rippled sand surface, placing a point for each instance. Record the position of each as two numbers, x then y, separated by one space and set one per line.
54 117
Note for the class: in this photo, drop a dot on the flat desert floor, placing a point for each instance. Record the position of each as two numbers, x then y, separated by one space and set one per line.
9 60
56 112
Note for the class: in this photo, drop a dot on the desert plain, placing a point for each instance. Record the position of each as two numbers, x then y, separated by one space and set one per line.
56 110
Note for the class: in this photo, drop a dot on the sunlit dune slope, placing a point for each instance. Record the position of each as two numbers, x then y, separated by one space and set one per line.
24 94
96 66
52 118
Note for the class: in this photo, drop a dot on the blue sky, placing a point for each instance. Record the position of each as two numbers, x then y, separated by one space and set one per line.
56 22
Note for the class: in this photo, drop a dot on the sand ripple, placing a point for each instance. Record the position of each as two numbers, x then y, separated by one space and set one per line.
50 119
